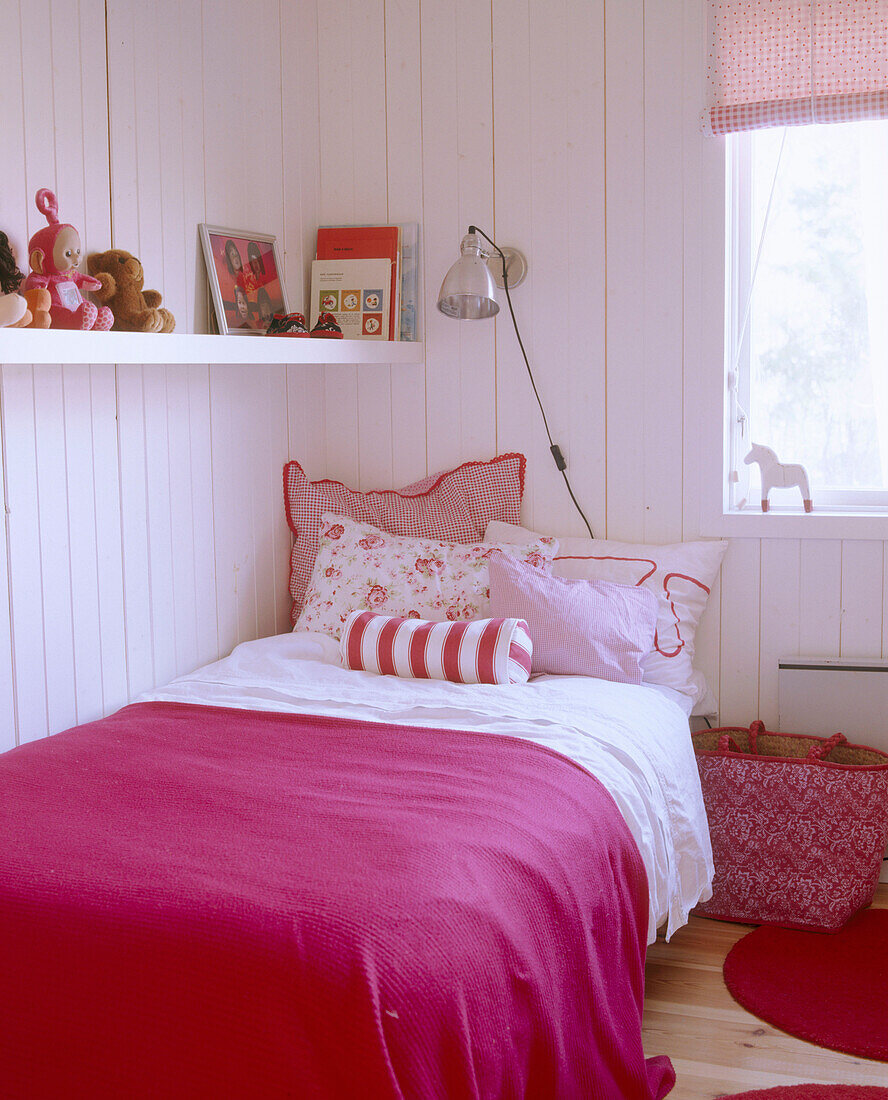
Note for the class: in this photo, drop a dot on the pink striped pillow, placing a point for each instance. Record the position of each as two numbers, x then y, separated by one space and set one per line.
578 627
484 651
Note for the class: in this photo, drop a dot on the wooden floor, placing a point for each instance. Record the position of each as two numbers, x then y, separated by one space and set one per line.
715 1045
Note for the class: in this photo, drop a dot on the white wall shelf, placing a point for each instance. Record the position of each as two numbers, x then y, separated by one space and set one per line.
59 346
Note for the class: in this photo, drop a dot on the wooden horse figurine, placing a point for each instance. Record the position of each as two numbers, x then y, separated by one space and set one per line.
776 474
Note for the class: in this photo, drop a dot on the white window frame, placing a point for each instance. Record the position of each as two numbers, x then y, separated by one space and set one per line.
724 265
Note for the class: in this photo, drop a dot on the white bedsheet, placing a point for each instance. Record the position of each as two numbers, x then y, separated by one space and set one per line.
635 740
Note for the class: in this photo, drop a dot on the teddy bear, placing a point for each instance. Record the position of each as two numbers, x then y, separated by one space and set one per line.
54 255
135 310
17 310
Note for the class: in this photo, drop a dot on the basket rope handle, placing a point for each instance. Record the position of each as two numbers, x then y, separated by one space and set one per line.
726 743
821 751
755 729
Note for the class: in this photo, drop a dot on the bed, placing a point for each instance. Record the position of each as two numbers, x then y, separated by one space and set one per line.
278 877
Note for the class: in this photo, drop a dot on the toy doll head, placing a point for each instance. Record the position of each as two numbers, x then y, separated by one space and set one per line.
54 250
10 276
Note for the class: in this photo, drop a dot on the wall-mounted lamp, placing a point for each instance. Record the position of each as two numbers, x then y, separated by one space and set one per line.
468 294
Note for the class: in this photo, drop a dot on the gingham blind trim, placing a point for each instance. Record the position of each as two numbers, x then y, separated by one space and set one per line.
796 63
812 110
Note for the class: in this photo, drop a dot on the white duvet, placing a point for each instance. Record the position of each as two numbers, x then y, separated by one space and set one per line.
635 740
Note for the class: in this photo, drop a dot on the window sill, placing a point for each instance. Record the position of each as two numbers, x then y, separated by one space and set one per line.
794 523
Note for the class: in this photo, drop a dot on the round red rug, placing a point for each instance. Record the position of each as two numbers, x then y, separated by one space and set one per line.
829 989
813 1092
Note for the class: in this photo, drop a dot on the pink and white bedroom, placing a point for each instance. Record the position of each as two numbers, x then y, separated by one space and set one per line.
489 705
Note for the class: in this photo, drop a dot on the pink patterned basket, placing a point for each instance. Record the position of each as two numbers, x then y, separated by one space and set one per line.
798 824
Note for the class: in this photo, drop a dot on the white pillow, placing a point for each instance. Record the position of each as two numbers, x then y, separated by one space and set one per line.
680 575
359 567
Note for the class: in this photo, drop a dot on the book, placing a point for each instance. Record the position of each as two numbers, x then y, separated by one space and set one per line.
356 292
409 308
364 242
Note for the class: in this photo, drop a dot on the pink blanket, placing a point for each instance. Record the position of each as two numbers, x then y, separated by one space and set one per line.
199 902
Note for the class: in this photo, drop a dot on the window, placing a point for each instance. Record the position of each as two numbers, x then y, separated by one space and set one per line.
807 311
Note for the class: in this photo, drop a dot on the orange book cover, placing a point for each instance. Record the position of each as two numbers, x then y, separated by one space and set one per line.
366 242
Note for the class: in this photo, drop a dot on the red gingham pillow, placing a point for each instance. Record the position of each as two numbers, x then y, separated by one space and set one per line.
455 505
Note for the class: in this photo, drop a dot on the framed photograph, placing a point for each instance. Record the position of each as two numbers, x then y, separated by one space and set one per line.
246 279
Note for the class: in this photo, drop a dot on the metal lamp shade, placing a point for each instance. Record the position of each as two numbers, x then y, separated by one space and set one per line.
468 291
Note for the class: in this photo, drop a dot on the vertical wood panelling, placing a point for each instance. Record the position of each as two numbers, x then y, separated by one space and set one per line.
779 635
14 192
306 387
584 249
81 143
249 426
8 722
862 580
519 427
740 625
626 182
342 111
370 204
551 205
884 599
161 552
473 371
457 173
80 490
663 263
7 683
820 598
202 503
547 241
54 547
135 532
127 487
39 152
403 88
27 606
188 512
702 283
707 651
107 503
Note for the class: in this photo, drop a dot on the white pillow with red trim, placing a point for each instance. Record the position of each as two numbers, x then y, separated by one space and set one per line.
680 575
360 568
484 651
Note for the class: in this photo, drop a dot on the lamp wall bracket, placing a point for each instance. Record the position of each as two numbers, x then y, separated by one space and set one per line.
516 267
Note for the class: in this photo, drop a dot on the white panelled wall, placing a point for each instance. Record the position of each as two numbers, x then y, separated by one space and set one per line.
144 526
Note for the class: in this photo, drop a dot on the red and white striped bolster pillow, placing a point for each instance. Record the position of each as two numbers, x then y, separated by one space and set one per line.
484 651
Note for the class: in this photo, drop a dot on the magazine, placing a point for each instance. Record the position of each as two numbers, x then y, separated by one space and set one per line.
362 242
356 292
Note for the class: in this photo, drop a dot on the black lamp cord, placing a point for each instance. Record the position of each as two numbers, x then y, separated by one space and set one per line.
560 460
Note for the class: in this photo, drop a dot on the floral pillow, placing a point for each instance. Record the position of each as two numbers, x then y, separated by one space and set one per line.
359 567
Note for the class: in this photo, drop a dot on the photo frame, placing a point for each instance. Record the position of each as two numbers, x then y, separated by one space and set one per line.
246 279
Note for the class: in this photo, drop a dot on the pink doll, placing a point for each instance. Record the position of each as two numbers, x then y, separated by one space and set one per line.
54 254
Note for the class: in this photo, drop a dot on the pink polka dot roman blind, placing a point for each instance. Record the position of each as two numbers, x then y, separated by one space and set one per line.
796 62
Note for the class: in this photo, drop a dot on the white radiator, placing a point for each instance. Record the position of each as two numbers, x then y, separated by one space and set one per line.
822 695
